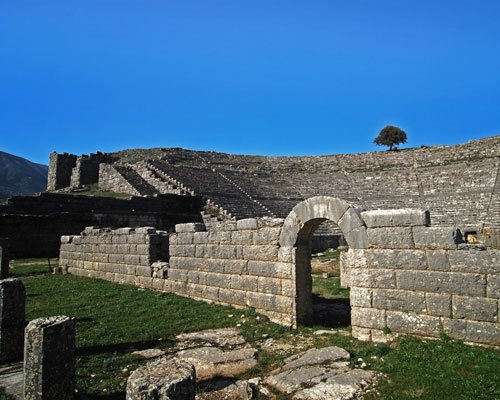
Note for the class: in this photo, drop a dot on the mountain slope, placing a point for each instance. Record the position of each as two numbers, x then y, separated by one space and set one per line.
19 176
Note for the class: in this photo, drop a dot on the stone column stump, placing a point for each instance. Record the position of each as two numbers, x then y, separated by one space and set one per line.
4 263
12 319
163 379
49 359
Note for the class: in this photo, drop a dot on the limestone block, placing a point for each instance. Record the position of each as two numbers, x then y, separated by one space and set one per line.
321 207
172 239
245 282
116 258
185 238
163 379
248 223
288 288
271 269
145 229
269 302
190 227
269 285
455 328
223 251
219 280
182 251
438 305
483 332
200 238
49 365
475 308
235 266
242 237
373 278
66 239
476 261
437 260
130 269
357 238
493 288
260 253
401 300
354 258
368 317
233 297
400 217
433 237
290 230
200 278
219 237
144 281
395 259
123 231
287 254
136 238
131 259
178 287
200 250
363 334
266 236
390 238
122 239
415 324
141 270
442 282
178 275
158 283
360 297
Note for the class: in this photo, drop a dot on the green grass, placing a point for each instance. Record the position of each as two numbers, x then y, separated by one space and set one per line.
112 320
93 190
329 288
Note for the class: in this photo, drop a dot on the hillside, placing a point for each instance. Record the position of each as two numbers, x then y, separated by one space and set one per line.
19 176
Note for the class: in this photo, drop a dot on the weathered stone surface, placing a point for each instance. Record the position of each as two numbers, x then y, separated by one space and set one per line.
442 282
493 287
12 319
163 379
401 217
260 253
483 332
437 260
390 238
341 386
368 317
403 300
266 236
212 337
395 259
361 297
475 308
224 389
373 278
433 238
248 223
49 365
438 304
482 262
316 357
416 324
190 227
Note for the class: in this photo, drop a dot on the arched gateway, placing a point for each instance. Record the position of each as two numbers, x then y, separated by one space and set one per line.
297 232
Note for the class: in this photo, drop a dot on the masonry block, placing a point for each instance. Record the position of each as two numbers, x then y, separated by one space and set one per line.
475 308
360 297
412 323
438 304
390 238
437 260
373 278
395 259
401 300
391 218
271 269
242 237
434 237
12 319
244 224
260 253
368 317
190 227
266 236
483 332
493 287
245 282
475 261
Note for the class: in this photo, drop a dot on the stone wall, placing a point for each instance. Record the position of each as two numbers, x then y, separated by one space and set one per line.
421 280
60 170
406 277
124 255
110 179
86 170
33 225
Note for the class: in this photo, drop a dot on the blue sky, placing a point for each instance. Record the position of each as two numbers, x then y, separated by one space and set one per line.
251 77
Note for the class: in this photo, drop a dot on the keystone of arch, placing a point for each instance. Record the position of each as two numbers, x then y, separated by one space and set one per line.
345 215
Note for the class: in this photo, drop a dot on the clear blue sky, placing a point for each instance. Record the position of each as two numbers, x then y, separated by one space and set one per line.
254 77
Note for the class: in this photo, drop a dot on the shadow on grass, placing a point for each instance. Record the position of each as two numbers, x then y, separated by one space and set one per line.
331 313
123 348
110 396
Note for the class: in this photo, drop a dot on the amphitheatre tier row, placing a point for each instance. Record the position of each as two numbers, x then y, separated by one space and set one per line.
459 184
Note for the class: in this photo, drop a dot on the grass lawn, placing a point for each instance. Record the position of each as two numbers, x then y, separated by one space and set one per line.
112 320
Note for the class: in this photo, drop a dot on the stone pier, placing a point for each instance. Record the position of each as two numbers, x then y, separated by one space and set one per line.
12 319
4 263
49 359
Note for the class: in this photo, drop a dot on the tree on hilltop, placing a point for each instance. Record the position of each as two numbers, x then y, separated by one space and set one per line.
390 136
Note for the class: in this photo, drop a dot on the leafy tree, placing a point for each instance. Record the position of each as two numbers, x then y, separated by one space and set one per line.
390 136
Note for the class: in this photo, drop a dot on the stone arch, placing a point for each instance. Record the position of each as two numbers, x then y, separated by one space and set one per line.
296 235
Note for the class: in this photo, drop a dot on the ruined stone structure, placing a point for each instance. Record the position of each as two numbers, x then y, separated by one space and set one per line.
34 225
405 276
